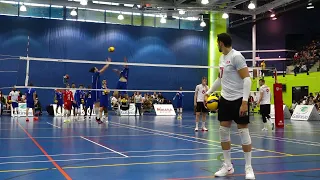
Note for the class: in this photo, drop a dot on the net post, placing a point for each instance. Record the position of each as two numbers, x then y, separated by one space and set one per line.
26 82
278 102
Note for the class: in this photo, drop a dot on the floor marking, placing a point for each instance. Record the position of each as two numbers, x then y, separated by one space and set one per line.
173 136
288 141
116 157
53 125
104 147
259 173
79 154
151 163
135 127
45 153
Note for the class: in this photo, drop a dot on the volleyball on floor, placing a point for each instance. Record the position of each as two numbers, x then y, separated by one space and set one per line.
111 49
212 103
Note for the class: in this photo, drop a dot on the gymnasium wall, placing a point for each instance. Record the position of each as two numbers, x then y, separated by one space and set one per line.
290 81
89 41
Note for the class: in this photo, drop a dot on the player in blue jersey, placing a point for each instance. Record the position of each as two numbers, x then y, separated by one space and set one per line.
179 97
58 100
89 103
123 77
104 102
96 84
82 96
77 100
30 100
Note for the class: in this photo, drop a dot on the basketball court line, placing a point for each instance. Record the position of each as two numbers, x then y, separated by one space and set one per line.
257 173
53 125
116 157
151 163
164 132
104 147
45 153
100 153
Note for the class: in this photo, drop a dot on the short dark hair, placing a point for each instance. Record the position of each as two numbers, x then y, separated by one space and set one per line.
204 77
225 38
81 85
92 70
262 80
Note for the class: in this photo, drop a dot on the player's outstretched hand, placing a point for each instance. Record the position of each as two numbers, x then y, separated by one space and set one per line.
109 59
125 59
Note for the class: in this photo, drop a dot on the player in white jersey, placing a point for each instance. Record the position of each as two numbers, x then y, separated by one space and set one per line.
235 81
264 102
14 98
200 91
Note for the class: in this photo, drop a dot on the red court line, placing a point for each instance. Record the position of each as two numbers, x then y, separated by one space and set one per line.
46 154
261 173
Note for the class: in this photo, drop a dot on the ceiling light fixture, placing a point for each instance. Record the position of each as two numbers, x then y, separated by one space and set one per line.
225 16
251 5
73 12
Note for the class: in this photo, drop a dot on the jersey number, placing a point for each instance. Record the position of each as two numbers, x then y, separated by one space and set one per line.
221 72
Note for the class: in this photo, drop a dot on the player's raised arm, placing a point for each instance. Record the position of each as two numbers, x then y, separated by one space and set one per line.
105 67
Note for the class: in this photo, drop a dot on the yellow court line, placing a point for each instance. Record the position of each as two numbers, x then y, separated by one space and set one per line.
198 138
150 163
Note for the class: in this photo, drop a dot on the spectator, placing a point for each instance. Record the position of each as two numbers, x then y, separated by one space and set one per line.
263 68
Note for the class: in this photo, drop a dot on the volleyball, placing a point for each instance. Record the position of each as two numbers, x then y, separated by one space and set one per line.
111 49
212 103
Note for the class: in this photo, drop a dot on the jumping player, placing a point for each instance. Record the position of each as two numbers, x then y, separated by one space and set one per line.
89 103
199 102
104 102
235 81
58 100
96 84
67 99
179 97
264 102
31 98
14 98
123 77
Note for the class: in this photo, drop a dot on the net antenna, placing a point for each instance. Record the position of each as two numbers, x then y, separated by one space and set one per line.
26 82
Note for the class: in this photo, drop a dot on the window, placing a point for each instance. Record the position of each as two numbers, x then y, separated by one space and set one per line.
56 12
171 23
36 10
9 8
91 15
112 17
137 20
68 13
148 20
190 24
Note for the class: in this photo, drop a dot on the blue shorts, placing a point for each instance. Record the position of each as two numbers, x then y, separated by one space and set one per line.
122 85
89 106
95 96
15 105
76 105
179 104
30 104
59 103
104 104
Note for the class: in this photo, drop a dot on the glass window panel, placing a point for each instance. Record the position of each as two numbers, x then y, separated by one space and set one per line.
36 11
68 15
9 9
137 20
148 20
191 25
91 15
169 24
56 12
112 17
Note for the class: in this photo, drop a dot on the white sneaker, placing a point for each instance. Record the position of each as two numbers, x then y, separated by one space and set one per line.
264 129
224 170
249 173
196 129
204 129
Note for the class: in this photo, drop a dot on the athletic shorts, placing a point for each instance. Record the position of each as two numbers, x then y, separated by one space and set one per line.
30 104
15 105
265 109
230 110
59 103
68 105
201 108
122 85
95 96
89 106
179 104
104 104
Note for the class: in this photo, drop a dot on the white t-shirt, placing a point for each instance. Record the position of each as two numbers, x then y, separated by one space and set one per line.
231 82
266 95
138 98
114 100
201 90
73 92
14 96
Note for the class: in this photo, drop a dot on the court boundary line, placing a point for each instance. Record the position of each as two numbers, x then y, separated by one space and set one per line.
54 125
45 153
164 132
105 147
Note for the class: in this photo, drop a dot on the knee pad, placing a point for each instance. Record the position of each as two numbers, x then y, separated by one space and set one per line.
245 136
224 134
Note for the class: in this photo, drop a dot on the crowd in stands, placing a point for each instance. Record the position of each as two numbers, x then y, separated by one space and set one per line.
307 57
308 100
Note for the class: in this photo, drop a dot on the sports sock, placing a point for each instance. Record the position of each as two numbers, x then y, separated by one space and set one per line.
227 157
247 157
265 125
203 124
197 124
